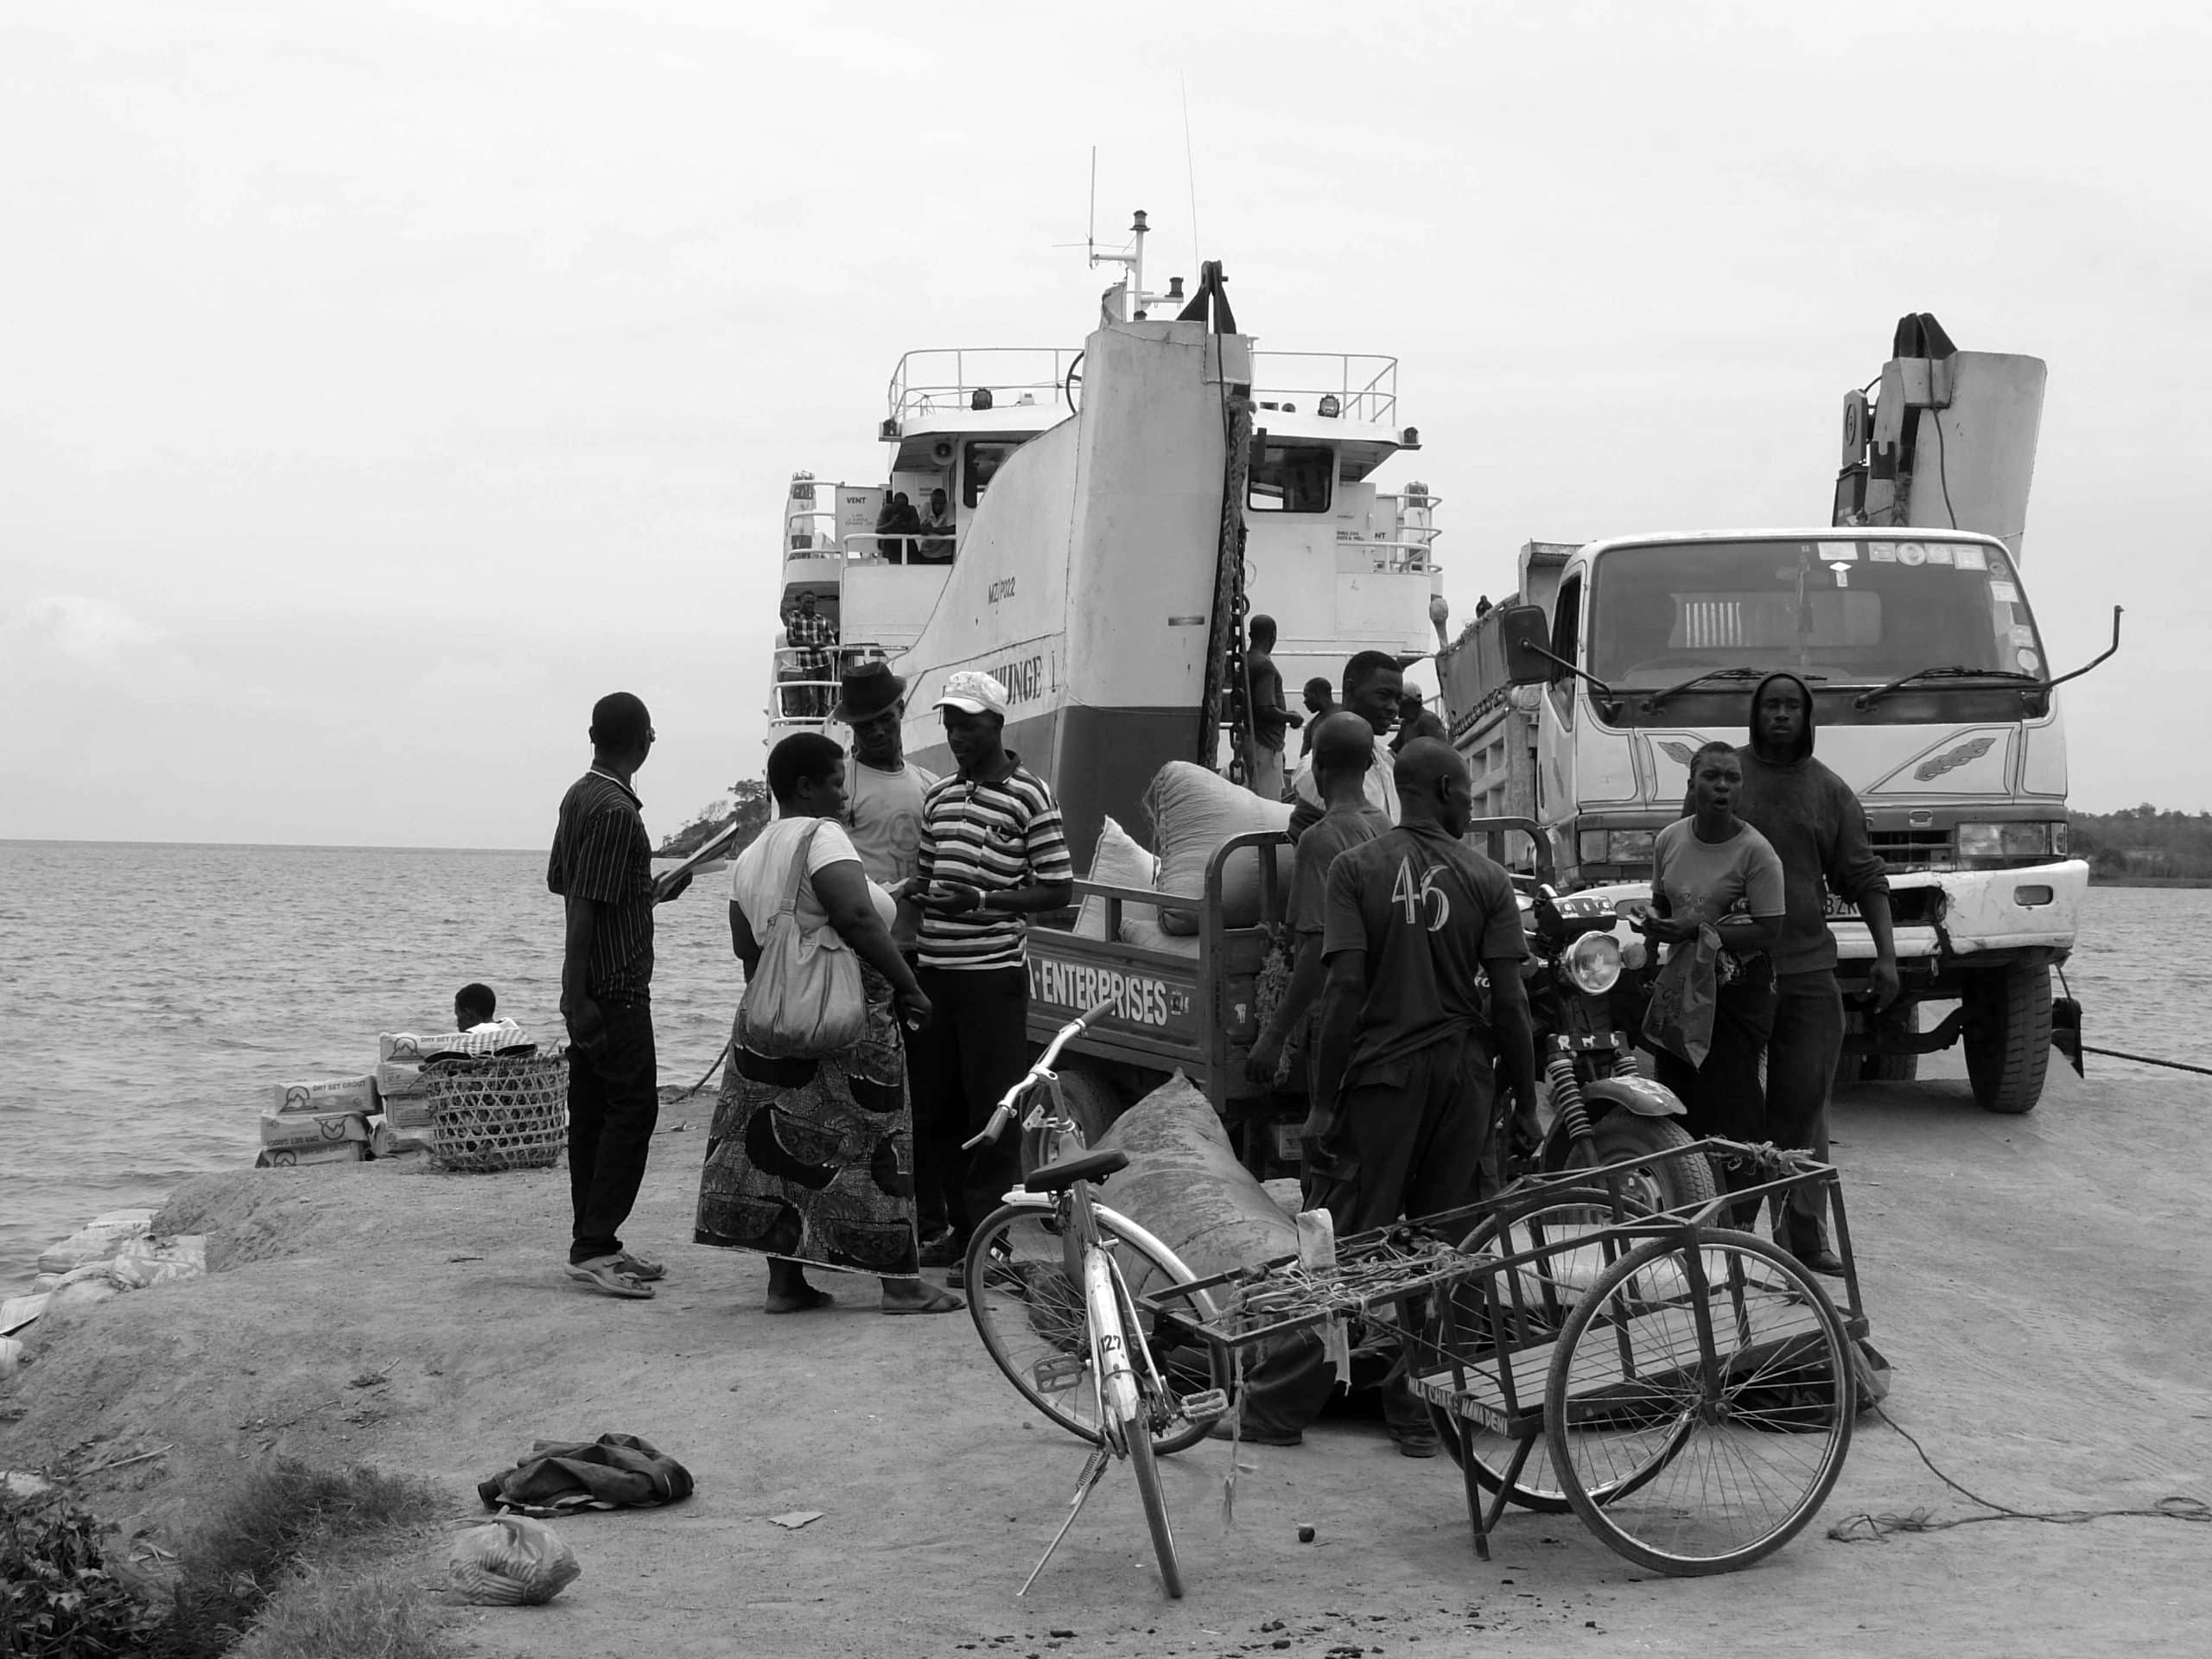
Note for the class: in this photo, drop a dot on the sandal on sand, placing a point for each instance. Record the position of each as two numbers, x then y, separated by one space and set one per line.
943 1302
607 1274
641 1266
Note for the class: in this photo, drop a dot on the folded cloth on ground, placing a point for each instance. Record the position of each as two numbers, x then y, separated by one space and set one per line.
614 1471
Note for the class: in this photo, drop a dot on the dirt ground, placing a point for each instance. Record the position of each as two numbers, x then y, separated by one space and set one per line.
2040 1284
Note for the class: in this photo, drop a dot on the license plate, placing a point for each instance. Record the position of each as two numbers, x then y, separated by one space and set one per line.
1841 909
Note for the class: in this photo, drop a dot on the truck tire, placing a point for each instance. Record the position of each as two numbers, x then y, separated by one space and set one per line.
2008 1036
1893 1067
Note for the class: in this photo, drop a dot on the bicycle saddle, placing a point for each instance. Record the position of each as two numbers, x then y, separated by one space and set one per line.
1090 1166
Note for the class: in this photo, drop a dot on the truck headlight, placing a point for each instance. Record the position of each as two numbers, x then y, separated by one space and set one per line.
1591 844
1628 846
2033 840
1593 962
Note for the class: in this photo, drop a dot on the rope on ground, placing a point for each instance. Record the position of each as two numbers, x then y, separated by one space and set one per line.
711 1070
2144 1060
1876 1528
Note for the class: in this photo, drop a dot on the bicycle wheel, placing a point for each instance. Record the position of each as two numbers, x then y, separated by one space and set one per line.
1033 1324
1549 1290
1156 1513
1724 1360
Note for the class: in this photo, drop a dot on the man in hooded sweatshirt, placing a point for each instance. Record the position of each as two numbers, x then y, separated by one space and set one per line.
1818 828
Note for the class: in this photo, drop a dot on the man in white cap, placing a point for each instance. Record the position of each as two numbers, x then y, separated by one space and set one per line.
993 851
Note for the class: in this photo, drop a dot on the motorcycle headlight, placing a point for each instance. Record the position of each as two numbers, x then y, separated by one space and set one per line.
1592 963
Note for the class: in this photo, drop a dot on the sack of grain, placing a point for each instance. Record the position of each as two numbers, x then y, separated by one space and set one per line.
340 1152
331 1094
312 1128
388 1138
1120 862
1193 812
415 1047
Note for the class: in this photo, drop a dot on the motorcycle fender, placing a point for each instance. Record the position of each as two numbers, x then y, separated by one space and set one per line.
1638 1094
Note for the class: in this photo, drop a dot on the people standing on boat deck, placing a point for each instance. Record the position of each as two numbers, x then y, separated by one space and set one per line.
810 632
1272 721
1414 721
1713 870
897 514
937 549
993 852
601 867
1406 1100
1371 684
810 1158
1343 750
1320 702
1818 830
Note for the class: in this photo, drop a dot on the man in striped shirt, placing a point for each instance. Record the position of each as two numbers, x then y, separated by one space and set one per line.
601 867
993 851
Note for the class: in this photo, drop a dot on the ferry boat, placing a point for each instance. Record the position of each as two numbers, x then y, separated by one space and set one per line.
1111 511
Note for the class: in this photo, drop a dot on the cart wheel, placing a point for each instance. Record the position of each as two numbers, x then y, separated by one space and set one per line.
1549 1291
1723 1363
1033 1321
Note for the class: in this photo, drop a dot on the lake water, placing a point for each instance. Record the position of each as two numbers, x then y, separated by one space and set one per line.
151 995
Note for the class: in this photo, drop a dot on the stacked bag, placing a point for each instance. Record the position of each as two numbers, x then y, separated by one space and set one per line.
325 1122
345 1120
1193 812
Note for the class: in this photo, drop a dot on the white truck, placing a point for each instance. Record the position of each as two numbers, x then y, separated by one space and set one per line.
1580 703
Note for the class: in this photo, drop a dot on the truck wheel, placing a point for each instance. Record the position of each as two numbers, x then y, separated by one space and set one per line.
1893 1067
1673 1184
2008 1036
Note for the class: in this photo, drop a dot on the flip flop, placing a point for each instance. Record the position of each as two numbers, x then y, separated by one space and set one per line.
641 1266
943 1302
816 1298
607 1274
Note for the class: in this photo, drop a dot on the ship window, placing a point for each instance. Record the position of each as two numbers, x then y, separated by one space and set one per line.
1291 477
984 458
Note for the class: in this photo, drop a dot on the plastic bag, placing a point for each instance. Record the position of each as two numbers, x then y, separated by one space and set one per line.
1684 998
514 1563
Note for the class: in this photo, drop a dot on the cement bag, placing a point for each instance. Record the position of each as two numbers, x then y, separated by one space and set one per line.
1120 862
331 1094
1193 811
1185 1187
514 1563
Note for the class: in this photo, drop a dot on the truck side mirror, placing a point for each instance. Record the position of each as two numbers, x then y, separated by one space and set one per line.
1526 635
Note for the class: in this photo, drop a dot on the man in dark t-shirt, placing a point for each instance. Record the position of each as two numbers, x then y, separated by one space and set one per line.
1406 1059
1272 721
601 869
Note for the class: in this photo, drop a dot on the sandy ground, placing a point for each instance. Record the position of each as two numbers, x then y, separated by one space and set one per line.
2040 1284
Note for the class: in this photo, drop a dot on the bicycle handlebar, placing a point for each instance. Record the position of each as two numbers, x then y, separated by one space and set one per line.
1003 1113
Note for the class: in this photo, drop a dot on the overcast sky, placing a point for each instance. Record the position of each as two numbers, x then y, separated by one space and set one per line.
383 382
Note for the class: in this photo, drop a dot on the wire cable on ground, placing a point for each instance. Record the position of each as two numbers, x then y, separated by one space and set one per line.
2144 1060
1876 1528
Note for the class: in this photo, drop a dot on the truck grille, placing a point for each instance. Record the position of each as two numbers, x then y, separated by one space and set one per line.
1907 849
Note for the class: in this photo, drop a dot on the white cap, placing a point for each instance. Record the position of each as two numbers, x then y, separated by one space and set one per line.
974 692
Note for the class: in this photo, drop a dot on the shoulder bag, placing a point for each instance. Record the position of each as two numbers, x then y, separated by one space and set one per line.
805 1000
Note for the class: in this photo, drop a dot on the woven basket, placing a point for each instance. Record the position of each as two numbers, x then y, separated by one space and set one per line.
488 1113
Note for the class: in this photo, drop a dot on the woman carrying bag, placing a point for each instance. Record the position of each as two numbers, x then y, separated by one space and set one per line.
810 1161
1712 871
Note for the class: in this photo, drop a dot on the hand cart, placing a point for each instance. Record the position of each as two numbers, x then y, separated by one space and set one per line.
1694 1384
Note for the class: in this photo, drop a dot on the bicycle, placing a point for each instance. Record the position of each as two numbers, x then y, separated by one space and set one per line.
1044 1272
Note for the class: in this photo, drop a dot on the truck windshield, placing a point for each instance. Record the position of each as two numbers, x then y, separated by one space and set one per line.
1854 611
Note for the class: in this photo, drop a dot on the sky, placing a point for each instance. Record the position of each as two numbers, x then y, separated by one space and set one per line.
386 381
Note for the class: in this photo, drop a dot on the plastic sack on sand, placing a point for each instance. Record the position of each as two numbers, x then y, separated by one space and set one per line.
145 1261
514 1563
1193 811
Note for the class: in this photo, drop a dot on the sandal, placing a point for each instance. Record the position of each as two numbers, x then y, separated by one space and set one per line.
607 1274
943 1302
641 1266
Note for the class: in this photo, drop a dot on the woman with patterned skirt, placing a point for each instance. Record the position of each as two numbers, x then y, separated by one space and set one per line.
811 1161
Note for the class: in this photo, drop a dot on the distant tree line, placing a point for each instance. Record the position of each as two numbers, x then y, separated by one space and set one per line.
749 804
2142 844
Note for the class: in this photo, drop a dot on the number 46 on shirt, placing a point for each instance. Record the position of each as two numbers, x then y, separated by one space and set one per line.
1427 901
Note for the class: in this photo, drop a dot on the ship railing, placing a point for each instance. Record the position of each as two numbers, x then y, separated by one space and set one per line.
808 679
1364 387
859 547
1408 553
951 377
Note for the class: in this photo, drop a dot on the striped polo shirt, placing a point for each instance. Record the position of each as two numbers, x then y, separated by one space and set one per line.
995 836
600 853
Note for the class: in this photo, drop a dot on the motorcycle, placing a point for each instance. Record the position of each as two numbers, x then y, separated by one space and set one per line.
1586 992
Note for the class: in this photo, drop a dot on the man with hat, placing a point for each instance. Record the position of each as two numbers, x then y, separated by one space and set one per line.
883 791
993 851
